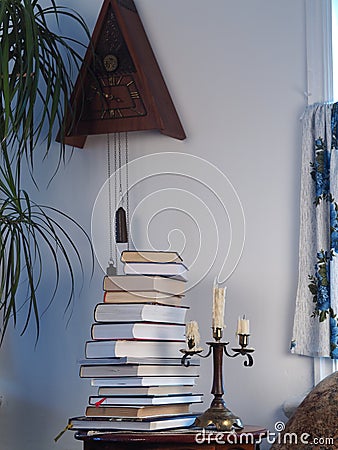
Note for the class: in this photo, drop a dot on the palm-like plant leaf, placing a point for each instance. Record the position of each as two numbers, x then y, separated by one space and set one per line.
36 67
26 229
35 72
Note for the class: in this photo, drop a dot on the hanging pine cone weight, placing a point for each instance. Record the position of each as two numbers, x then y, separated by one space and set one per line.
121 232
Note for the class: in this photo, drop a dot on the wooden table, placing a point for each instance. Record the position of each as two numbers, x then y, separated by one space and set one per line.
184 439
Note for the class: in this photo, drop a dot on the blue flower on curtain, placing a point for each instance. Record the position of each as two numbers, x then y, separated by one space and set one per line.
334 337
334 225
321 170
320 286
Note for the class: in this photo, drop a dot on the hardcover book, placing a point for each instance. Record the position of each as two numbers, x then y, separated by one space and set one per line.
137 391
144 283
194 361
176 270
138 312
138 330
145 400
106 424
143 381
150 257
134 370
132 348
137 411
142 297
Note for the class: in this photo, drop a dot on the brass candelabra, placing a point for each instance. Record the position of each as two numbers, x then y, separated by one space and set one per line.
218 414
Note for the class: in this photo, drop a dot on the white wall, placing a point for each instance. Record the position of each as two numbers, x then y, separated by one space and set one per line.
237 74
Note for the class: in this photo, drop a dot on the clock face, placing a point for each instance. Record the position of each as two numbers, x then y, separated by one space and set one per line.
117 97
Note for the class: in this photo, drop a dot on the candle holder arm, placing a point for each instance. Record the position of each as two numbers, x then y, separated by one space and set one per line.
241 351
185 360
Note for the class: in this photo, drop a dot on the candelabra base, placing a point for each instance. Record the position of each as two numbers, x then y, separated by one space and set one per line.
219 416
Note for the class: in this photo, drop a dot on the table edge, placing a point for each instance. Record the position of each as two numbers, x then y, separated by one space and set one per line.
175 435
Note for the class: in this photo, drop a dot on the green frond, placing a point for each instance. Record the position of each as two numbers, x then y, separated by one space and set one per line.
37 64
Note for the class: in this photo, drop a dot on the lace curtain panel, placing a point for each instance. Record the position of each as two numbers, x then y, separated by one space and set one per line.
315 330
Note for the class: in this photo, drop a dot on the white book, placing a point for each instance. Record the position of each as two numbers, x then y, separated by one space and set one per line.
106 424
134 391
133 348
143 381
135 312
138 330
194 361
177 270
148 400
124 370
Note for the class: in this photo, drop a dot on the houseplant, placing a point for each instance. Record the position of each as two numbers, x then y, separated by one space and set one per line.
36 66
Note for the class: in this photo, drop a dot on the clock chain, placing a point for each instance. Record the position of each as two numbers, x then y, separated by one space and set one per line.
127 180
112 266
115 169
120 165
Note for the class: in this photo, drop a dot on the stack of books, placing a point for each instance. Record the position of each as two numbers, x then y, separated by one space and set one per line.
133 357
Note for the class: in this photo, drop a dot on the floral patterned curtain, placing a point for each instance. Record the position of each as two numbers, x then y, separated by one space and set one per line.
315 330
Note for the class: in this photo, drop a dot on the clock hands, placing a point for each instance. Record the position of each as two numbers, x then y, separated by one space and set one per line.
112 97
105 95
116 98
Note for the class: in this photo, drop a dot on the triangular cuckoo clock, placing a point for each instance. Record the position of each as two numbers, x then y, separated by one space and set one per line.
120 86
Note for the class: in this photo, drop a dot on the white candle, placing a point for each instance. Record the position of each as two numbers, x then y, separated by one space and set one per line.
192 334
243 326
218 307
